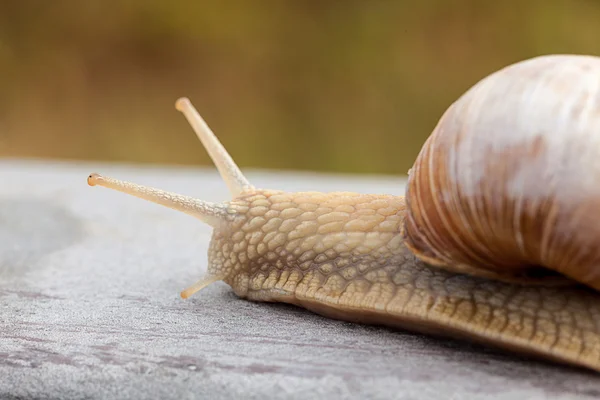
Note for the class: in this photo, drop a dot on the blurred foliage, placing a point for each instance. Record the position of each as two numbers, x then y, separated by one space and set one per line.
342 85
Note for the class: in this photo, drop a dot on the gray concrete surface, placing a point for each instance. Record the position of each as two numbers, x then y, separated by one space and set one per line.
89 308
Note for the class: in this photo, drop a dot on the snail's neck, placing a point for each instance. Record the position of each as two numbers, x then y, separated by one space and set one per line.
336 237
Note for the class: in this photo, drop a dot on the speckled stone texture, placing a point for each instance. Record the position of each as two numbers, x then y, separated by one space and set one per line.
90 308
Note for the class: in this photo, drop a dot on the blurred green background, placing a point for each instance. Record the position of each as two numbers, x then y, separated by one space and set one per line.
352 86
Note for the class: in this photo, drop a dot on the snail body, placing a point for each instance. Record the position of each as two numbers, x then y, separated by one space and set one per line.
470 252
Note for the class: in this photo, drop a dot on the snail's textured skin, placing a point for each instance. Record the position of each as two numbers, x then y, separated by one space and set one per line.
340 255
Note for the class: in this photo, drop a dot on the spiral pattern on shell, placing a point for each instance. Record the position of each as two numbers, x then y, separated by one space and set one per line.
509 180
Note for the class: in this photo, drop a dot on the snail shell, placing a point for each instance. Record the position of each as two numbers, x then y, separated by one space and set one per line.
509 180
498 225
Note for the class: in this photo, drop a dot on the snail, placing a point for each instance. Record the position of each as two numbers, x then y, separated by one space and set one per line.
496 241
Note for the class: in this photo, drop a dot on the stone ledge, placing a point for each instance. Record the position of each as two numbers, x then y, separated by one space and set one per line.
89 308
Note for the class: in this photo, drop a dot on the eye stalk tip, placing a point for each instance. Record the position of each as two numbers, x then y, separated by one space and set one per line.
182 104
93 179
